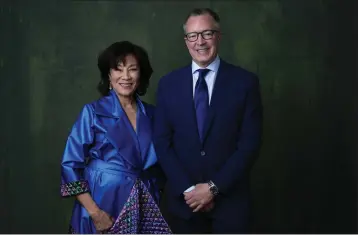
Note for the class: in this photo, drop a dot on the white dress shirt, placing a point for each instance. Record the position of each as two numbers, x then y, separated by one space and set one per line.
210 77
210 81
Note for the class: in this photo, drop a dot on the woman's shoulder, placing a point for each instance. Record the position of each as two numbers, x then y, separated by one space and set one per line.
102 105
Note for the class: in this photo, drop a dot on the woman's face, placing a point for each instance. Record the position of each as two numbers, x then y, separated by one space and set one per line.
125 79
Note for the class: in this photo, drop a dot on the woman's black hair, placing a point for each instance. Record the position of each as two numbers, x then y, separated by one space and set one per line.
112 56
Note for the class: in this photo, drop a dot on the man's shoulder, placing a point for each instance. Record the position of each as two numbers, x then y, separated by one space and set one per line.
237 69
175 74
240 74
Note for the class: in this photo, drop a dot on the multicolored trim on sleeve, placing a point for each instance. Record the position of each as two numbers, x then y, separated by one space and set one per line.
74 188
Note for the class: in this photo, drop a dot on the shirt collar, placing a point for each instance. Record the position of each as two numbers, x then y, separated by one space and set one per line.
213 66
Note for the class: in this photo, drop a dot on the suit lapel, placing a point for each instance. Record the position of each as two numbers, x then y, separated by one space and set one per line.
186 89
218 93
188 98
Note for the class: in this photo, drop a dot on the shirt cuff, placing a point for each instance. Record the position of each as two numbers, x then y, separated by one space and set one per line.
189 189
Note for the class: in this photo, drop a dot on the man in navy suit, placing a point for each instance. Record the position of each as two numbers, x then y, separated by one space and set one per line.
207 133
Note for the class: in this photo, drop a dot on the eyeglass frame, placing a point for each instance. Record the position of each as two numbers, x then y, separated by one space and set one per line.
213 31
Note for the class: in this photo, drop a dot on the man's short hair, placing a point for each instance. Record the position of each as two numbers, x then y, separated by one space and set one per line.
203 11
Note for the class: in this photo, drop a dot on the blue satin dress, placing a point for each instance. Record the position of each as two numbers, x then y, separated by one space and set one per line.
105 157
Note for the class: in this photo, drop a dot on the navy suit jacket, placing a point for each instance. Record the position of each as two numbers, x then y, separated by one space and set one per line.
232 138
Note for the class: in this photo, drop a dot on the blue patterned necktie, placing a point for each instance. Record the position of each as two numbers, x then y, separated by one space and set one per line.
201 100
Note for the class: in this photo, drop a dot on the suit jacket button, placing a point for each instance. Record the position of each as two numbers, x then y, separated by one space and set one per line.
202 153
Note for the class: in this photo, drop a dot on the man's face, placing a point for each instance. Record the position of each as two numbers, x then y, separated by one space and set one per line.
203 51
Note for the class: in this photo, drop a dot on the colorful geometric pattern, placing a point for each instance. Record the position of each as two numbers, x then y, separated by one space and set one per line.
74 188
140 214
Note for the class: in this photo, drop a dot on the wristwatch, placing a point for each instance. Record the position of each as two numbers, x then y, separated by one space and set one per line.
213 189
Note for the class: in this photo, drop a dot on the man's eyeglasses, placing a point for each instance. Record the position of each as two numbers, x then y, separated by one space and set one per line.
206 34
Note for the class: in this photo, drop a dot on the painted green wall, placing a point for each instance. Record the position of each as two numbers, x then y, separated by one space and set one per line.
303 52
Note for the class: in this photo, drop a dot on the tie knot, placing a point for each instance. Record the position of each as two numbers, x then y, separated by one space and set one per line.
203 72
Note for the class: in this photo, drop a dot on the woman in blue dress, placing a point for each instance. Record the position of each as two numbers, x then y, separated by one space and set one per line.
109 163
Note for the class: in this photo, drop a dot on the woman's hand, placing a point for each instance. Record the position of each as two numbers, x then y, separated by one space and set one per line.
101 220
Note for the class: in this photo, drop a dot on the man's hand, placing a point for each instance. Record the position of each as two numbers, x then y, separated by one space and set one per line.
198 198
208 207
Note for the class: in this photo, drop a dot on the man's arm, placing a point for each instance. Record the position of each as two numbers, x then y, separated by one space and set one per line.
163 135
248 143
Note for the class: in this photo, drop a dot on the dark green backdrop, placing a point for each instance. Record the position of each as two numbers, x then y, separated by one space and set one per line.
303 51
